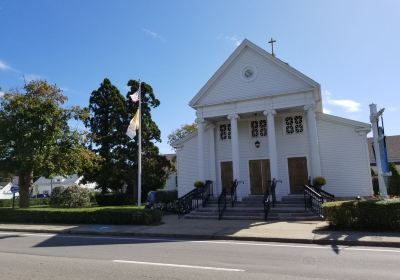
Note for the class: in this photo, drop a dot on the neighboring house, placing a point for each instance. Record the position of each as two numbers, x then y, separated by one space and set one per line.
393 151
44 185
171 183
258 118
5 187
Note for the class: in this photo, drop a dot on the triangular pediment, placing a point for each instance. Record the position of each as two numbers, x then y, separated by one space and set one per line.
251 72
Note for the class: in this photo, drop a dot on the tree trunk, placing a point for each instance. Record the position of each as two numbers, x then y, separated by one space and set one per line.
25 183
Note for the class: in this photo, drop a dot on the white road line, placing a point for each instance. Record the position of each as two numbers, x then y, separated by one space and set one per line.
181 265
222 242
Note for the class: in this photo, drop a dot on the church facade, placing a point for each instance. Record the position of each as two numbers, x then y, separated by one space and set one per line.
258 118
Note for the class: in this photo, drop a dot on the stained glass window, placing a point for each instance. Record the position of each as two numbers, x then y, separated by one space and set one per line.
294 125
225 131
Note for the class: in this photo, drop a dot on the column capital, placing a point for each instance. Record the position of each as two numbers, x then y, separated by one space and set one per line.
233 116
309 107
269 112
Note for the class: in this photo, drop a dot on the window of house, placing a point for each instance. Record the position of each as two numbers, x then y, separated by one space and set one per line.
225 131
258 128
294 125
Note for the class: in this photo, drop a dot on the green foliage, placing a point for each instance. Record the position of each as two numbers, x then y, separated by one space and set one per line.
199 184
95 215
113 199
35 136
110 115
163 196
394 181
319 181
367 214
32 202
107 124
70 197
181 132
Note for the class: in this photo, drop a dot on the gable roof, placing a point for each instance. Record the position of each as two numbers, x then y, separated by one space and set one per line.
248 44
393 149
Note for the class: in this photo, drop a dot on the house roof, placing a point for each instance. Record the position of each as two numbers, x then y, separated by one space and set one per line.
246 43
393 149
58 181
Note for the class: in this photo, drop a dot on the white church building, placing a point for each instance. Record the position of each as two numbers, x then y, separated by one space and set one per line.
258 118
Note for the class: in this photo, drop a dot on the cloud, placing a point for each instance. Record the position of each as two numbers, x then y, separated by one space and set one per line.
232 38
4 66
326 111
153 34
392 109
2 93
348 105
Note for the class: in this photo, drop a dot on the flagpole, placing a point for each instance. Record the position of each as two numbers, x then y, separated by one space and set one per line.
140 148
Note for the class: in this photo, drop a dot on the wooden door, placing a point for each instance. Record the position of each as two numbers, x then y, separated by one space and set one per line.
298 174
260 174
226 175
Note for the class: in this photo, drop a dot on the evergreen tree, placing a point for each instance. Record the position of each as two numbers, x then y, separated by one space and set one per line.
110 114
107 125
155 167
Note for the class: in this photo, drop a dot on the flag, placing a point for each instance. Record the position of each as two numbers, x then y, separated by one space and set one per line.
133 126
135 96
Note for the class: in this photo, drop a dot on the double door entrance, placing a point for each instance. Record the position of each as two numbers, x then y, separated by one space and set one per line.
260 175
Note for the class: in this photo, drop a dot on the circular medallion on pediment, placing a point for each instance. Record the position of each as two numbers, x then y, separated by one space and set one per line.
249 73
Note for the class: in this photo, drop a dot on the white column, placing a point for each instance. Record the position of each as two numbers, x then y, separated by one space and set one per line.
313 140
212 162
200 148
273 154
235 146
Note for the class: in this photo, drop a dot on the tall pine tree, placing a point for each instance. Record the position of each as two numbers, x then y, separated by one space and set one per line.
110 114
106 122
155 167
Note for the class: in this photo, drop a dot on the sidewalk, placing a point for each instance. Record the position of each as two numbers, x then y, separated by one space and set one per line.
312 232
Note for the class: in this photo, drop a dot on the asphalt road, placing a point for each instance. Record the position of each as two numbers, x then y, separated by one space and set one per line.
49 256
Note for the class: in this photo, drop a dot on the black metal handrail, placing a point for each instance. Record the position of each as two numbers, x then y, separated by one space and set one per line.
235 184
314 198
272 190
221 204
193 199
207 192
267 204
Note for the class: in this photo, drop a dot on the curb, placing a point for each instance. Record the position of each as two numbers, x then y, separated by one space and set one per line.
216 237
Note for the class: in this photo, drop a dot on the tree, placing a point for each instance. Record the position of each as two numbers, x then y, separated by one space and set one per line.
181 132
36 138
155 167
110 114
107 125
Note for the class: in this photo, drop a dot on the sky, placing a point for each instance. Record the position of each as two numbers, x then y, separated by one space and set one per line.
350 47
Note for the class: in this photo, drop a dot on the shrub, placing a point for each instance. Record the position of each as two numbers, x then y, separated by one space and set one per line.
366 214
198 184
113 199
70 197
394 181
319 181
32 202
164 196
94 215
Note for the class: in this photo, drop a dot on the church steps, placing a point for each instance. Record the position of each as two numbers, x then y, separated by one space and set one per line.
290 208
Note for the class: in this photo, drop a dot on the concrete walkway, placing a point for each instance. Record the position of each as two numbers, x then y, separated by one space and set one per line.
274 231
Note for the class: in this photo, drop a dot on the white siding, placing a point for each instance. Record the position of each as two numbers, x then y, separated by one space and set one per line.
344 160
288 146
270 79
187 163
